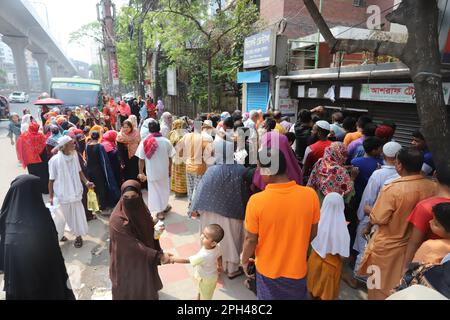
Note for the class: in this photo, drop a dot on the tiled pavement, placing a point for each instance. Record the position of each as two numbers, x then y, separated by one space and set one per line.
182 238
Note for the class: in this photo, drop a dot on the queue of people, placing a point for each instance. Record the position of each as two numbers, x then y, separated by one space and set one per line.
348 193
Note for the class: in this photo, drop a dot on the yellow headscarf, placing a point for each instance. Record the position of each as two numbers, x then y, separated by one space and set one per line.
174 135
100 131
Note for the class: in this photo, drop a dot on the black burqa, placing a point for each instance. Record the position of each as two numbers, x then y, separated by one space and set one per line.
30 255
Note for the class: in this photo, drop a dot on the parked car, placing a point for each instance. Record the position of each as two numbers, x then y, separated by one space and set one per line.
129 96
19 96
4 108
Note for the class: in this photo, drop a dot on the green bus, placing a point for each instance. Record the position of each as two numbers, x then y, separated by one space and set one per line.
77 91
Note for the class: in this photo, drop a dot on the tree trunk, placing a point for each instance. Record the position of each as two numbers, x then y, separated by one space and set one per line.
209 83
431 108
140 66
158 88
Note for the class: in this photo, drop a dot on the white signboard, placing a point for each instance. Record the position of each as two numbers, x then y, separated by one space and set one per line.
172 81
301 92
395 92
346 92
312 93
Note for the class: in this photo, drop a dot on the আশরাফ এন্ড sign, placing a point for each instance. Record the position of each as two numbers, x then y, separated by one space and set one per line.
395 92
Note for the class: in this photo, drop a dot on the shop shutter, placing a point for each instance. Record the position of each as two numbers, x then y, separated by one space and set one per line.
257 96
404 115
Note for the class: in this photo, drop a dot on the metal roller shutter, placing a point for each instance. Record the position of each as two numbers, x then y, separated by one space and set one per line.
257 96
404 115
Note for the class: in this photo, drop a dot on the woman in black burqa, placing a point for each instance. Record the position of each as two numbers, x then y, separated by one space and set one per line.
30 256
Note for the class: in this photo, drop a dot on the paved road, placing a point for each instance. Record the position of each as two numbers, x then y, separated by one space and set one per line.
18 108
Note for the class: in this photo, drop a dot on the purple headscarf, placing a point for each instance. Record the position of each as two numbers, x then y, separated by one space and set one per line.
160 106
293 169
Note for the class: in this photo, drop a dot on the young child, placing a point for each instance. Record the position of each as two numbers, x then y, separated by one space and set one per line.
14 128
207 262
330 246
433 251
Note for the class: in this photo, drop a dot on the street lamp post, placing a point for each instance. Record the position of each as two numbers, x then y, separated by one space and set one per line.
46 11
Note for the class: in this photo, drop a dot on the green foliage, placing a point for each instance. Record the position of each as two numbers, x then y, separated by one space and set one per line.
189 37
89 31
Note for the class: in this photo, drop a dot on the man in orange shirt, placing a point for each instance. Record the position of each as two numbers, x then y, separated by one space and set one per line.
280 223
352 136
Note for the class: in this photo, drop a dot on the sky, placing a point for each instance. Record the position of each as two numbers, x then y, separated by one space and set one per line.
66 16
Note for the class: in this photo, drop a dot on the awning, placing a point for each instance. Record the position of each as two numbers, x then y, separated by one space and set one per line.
253 76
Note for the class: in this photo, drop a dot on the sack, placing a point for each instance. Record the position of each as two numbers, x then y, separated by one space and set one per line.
92 202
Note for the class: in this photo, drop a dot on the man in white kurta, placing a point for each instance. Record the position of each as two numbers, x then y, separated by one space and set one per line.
158 169
66 190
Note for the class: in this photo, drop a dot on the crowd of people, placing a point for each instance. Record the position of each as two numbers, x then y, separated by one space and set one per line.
286 204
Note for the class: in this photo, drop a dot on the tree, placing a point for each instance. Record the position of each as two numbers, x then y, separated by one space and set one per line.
195 34
91 32
421 54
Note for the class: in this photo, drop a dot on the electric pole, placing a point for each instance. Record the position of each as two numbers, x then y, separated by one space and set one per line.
106 14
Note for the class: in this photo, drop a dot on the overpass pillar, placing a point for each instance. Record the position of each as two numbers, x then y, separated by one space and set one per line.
61 71
53 68
41 59
18 46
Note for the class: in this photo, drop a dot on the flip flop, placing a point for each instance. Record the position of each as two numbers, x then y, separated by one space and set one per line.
78 243
169 207
63 239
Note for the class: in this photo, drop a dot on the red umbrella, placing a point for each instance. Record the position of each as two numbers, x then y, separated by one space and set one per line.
49 101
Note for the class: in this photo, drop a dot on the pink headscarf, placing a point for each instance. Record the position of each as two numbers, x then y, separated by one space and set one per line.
109 140
124 109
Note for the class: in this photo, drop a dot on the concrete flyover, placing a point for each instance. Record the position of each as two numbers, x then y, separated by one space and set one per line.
22 28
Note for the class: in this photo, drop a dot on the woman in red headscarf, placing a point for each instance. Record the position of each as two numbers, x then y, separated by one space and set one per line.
124 111
151 109
110 114
32 154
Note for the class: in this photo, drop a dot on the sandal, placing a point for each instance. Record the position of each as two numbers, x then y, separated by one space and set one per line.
236 274
160 216
78 243
63 239
169 207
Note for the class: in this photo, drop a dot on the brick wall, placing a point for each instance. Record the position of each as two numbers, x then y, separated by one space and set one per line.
336 12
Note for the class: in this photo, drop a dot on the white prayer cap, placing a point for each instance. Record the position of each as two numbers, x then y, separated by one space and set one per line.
63 141
252 113
207 124
417 292
323 124
391 149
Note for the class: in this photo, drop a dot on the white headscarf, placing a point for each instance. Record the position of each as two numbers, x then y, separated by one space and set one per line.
144 129
332 236
26 120
166 124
